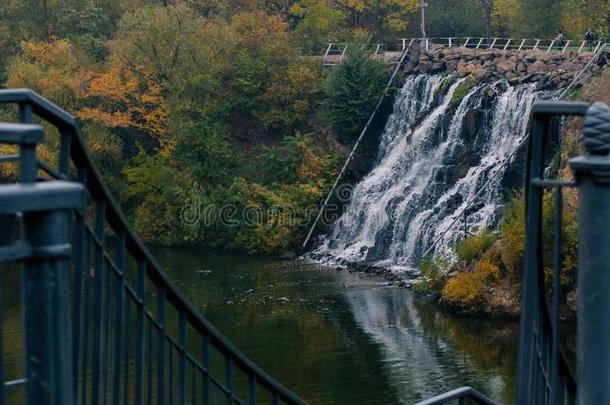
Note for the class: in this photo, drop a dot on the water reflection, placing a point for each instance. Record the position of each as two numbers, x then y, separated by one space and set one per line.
340 338
426 352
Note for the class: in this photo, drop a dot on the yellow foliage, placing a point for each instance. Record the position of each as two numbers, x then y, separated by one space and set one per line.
54 69
464 290
120 98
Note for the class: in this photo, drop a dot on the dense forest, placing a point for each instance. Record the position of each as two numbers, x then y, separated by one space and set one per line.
201 112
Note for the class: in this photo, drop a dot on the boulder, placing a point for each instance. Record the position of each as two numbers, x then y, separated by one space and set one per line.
467 69
481 73
451 65
538 67
507 66
425 66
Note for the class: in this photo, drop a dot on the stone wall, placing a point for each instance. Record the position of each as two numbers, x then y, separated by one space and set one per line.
549 70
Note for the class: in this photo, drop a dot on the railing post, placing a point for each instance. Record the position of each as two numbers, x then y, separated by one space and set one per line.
592 172
48 348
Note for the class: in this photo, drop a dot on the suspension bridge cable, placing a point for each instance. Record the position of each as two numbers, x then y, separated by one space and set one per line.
355 147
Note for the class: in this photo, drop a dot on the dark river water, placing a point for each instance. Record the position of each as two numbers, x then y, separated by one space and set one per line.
333 337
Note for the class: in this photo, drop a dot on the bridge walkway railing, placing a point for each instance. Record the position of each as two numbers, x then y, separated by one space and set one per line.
101 321
507 44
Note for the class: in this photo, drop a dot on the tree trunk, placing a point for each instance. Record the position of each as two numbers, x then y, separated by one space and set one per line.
487 6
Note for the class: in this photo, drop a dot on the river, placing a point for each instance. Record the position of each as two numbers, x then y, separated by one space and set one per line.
331 336
336 337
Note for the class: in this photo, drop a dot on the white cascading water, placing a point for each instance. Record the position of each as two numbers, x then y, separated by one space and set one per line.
429 176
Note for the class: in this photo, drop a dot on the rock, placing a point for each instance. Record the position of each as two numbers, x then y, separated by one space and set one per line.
570 66
249 291
507 66
438 66
537 67
283 299
466 69
451 65
339 268
521 67
424 66
481 73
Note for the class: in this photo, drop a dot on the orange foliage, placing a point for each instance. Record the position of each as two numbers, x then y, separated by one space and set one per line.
123 99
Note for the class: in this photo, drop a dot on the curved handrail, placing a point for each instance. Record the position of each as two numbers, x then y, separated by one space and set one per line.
73 147
461 393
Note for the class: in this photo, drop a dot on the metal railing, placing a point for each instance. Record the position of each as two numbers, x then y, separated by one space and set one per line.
101 320
506 44
462 395
337 51
544 373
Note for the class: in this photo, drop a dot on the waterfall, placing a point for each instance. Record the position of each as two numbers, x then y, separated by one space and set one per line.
433 160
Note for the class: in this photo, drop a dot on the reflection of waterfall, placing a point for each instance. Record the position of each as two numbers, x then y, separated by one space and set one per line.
419 362
427 177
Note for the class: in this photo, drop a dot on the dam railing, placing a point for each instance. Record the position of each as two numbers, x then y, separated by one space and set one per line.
507 44
101 322
335 52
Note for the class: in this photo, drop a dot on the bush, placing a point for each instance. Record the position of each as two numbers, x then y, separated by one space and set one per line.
352 90
433 275
473 247
465 290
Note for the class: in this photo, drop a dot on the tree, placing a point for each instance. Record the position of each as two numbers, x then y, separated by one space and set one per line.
352 90
487 7
539 18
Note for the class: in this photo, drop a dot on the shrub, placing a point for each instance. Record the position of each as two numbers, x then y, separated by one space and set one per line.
465 290
473 247
352 90
433 275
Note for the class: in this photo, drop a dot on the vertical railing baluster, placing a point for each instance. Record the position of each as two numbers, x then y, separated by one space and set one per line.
138 384
252 389
170 385
86 310
182 360
119 286
161 351
78 258
127 324
97 317
229 378
107 307
205 353
149 363
275 400
194 385
1 341
557 264
65 139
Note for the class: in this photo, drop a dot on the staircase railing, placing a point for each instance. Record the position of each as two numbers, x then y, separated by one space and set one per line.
102 321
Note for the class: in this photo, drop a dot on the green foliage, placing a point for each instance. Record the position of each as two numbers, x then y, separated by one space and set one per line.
280 163
433 275
454 18
473 247
210 102
352 90
461 91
